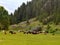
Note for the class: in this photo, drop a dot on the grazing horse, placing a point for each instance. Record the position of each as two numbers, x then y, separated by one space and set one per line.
12 32
27 32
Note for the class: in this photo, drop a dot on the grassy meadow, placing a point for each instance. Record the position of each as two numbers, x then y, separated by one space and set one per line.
29 39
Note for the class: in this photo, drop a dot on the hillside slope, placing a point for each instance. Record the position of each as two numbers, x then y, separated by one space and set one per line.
41 9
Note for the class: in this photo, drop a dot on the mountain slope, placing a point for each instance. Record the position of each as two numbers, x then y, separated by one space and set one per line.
41 9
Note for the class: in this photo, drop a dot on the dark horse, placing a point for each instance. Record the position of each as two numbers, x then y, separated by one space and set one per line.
12 32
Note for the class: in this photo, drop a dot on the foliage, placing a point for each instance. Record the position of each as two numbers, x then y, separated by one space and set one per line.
4 19
44 10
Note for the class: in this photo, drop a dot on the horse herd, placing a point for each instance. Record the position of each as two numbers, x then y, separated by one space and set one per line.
36 30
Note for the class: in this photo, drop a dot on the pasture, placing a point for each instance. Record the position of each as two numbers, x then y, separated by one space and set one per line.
29 39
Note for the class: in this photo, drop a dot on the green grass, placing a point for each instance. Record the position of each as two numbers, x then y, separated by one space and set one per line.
29 39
